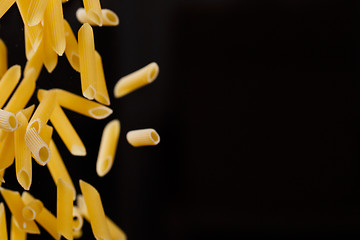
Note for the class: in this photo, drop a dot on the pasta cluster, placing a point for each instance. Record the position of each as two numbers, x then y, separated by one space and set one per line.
26 131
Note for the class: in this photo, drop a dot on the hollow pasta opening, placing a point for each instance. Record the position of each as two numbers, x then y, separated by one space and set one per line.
90 92
13 122
100 112
44 154
29 213
153 72
75 61
111 17
154 137
24 179
94 17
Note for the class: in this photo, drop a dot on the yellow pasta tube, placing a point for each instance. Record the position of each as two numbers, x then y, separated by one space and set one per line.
93 11
23 164
77 219
15 232
77 234
46 134
28 111
53 17
8 83
2 172
45 218
36 11
136 80
87 61
50 57
8 121
3 58
43 111
96 211
57 167
29 51
16 205
71 49
102 94
83 18
143 137
64 208
7 150
34 65
37 146
22 94
109 17
5 5
31 210
3 229
79 104
108 147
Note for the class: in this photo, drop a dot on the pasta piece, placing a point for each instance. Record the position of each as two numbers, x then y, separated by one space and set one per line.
87 61
3 229
53 21
109 17
7 150
96 211
143 137
15 232
36 11
37 146
8 121
136 80
108 147
93 11
45 218
71 49
77 234
77 219
83 18
28 111
102 94
15 204
34 65
5 5
57 167
22 94
79 104
43 111
46 134
8 83
2 172
50 57
23 163
64 208
3 58
29 51
32 209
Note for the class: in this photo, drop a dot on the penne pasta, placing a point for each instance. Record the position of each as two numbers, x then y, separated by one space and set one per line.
3 228
102 94
79 104
37 146
28 111
23 163
77 234
143 137
93 11
15 232
53 22
57 167
2 172
83 18
34 65
45 218
15 204
8 83
77 219
136 80
87 61
3 58
43 111
32 209
109 17
71 49
5 5
95 210
36 11
64 209
7 150
8 121
50 57
46 134
29 51
108 147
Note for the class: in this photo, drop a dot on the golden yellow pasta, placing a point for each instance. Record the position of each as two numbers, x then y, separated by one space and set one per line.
43 111
16 205
8 83
23 163
8 121
96 211
77 234
53 22
3 58
50 57
5 5
36 11
39 149
7 150
34 65
79 104
108 147
93 11
57 167
71 49
29 51
87 61
102 94
15 232
28 111
136 80
3 228
2 172
143 137
109 17
32 209
77 219
64 212
46 134
45 218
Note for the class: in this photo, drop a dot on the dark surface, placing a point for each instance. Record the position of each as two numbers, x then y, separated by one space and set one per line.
257 105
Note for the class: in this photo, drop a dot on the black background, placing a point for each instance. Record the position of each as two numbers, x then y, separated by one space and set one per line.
258 108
